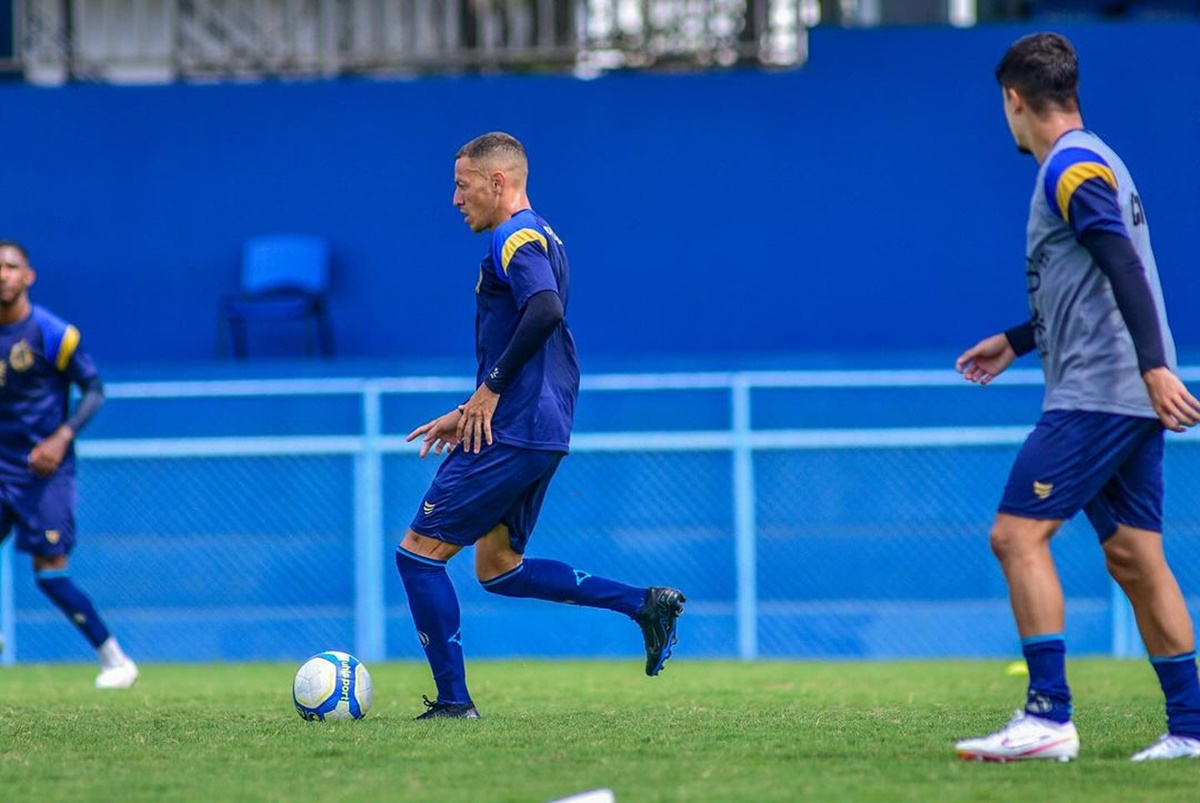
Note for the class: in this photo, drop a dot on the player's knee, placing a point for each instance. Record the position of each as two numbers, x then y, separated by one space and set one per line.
1001 541
1014 538
1009 543
49 563
1120 570
1134 557
427 547
491 563
494 555
493 566
1123 563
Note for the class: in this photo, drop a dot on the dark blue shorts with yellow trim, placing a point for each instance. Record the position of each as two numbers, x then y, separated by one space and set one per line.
43 513
1110 466
472 493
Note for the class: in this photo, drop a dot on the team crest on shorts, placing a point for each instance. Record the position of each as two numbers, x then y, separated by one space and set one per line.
53 536
1042 489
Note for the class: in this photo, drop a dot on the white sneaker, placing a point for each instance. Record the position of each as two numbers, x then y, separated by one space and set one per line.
1169 746
120 676
1024 737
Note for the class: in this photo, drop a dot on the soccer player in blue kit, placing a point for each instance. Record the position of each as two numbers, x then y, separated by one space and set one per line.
1099 325
507 440
40 358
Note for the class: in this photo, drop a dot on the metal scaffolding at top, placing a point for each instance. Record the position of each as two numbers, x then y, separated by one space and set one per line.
169 40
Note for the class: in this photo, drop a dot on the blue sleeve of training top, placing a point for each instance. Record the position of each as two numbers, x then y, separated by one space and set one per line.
541 316
1119 262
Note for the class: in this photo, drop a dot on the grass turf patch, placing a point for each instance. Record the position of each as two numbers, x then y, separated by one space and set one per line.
868 731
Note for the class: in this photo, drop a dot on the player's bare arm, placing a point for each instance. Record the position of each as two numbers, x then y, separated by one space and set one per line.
439 434
986 360
1177 408
474 428
47 456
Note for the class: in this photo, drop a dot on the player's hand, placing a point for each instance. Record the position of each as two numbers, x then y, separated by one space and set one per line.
1177 409
475 426
47 456
440 433
986 360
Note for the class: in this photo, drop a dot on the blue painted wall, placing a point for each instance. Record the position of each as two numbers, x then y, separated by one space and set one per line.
872 199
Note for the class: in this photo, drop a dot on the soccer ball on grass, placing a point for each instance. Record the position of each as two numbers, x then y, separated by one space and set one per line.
332 685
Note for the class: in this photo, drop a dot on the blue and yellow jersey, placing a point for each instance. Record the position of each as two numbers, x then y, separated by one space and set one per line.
537 409
41 359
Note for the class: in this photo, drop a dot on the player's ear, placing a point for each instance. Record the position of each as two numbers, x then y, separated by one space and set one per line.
1013 98
30 275
497 181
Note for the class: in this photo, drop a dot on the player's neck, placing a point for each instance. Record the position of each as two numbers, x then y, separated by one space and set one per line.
1050 130
15 312
518 202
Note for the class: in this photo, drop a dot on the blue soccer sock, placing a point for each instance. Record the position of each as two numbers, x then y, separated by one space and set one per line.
1048 697
435 612
1181 687
56 584
552 580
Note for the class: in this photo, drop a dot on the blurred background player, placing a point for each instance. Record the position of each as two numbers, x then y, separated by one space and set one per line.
507 440
40 358
1099 324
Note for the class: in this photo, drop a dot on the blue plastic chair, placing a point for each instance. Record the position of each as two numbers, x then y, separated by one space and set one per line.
284 278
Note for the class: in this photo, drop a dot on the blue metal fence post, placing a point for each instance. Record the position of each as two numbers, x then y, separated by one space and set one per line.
8 621
745 536
370 639
1126 640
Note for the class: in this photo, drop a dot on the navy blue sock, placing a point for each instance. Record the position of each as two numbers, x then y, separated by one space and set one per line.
1181 687
435 612
1048 696
553 580
56 584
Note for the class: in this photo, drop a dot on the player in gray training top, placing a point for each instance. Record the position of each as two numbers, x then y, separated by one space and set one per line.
1099 324
1085 194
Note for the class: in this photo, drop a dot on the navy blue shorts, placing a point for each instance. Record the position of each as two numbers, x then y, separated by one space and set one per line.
43 513
472 493
1108 465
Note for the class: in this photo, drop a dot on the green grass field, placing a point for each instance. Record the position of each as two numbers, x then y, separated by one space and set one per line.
700 731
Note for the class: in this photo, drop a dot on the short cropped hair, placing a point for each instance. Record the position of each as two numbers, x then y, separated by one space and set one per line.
1044 69
16 245
493 145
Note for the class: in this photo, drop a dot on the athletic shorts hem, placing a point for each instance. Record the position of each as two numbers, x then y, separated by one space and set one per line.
1154 527
1039 516
43 550
445 538
536 446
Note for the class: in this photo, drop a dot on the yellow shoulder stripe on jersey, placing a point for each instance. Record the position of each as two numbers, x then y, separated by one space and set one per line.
517 239
1075 175
66 349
